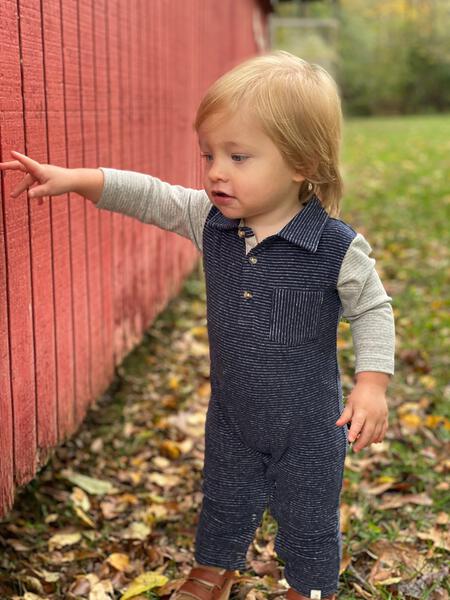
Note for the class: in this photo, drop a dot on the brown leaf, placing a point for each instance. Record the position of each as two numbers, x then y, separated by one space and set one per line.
440 538
396 501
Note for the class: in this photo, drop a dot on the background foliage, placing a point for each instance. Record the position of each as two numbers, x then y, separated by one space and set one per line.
389 56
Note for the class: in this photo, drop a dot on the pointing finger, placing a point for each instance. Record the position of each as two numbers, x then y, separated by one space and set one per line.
31 165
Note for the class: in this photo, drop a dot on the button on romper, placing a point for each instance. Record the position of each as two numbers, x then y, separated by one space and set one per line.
270 434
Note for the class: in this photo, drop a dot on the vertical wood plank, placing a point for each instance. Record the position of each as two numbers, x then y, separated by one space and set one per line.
163 152
151 103
77 206
125 163
59 220
16 232
114 54
42 299
140 75
89 159
9 111
103 158
135 156
157 146
144 92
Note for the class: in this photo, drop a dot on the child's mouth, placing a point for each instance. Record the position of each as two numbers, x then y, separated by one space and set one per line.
222 198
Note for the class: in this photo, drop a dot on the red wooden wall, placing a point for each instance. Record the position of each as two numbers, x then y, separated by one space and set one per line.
94 83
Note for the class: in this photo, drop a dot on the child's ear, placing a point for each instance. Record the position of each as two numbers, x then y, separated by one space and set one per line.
298 177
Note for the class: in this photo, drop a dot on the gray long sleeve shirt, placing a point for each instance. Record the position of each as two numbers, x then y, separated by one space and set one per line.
182 210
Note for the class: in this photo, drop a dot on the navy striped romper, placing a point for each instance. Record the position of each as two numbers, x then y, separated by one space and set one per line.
270 434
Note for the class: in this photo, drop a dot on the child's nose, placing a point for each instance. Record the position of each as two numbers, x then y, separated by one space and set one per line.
217 171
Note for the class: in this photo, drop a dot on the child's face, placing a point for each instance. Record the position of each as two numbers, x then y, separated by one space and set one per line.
243 162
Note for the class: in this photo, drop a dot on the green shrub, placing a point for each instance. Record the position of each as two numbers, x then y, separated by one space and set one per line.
393 61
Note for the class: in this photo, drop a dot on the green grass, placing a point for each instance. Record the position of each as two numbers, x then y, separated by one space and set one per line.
397 173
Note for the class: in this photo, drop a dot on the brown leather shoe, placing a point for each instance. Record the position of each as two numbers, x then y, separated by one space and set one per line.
293 595
206 583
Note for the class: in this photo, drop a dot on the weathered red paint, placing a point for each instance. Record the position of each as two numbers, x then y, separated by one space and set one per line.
94 83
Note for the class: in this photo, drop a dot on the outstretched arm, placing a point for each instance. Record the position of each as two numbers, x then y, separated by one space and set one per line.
139 195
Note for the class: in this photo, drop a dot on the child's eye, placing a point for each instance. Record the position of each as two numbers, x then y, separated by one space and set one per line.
240 157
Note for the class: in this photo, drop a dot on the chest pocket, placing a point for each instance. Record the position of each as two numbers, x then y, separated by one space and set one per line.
294 315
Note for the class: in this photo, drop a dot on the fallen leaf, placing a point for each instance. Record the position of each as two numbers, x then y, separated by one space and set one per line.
80 499
143 583
63 539
84 517
119 561
440 538
136 531
89 484
396 501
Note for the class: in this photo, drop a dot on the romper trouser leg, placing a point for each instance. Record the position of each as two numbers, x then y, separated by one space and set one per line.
308 481
235 494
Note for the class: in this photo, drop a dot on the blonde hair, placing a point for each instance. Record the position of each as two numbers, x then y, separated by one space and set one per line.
298 106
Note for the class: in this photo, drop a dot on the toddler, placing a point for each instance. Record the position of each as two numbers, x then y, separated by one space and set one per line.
281 269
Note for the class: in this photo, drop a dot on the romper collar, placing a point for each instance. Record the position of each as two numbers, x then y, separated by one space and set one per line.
304 229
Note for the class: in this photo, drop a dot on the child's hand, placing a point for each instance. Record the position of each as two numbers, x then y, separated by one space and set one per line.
53 180
367 410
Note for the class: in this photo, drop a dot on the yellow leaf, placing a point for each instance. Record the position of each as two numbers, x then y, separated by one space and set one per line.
428 382
119 561
186 445
200 332
406 407
128 498
197 418
204 390
80 498
165 481
170 449
84 517
436 304
136 531
390 580
433 421
89 484
386 479
174 382
161 462
411 420
155 512
135 477
137 461
63 539
143 583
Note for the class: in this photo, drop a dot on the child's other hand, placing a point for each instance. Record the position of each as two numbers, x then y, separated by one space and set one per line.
367 410
53 180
